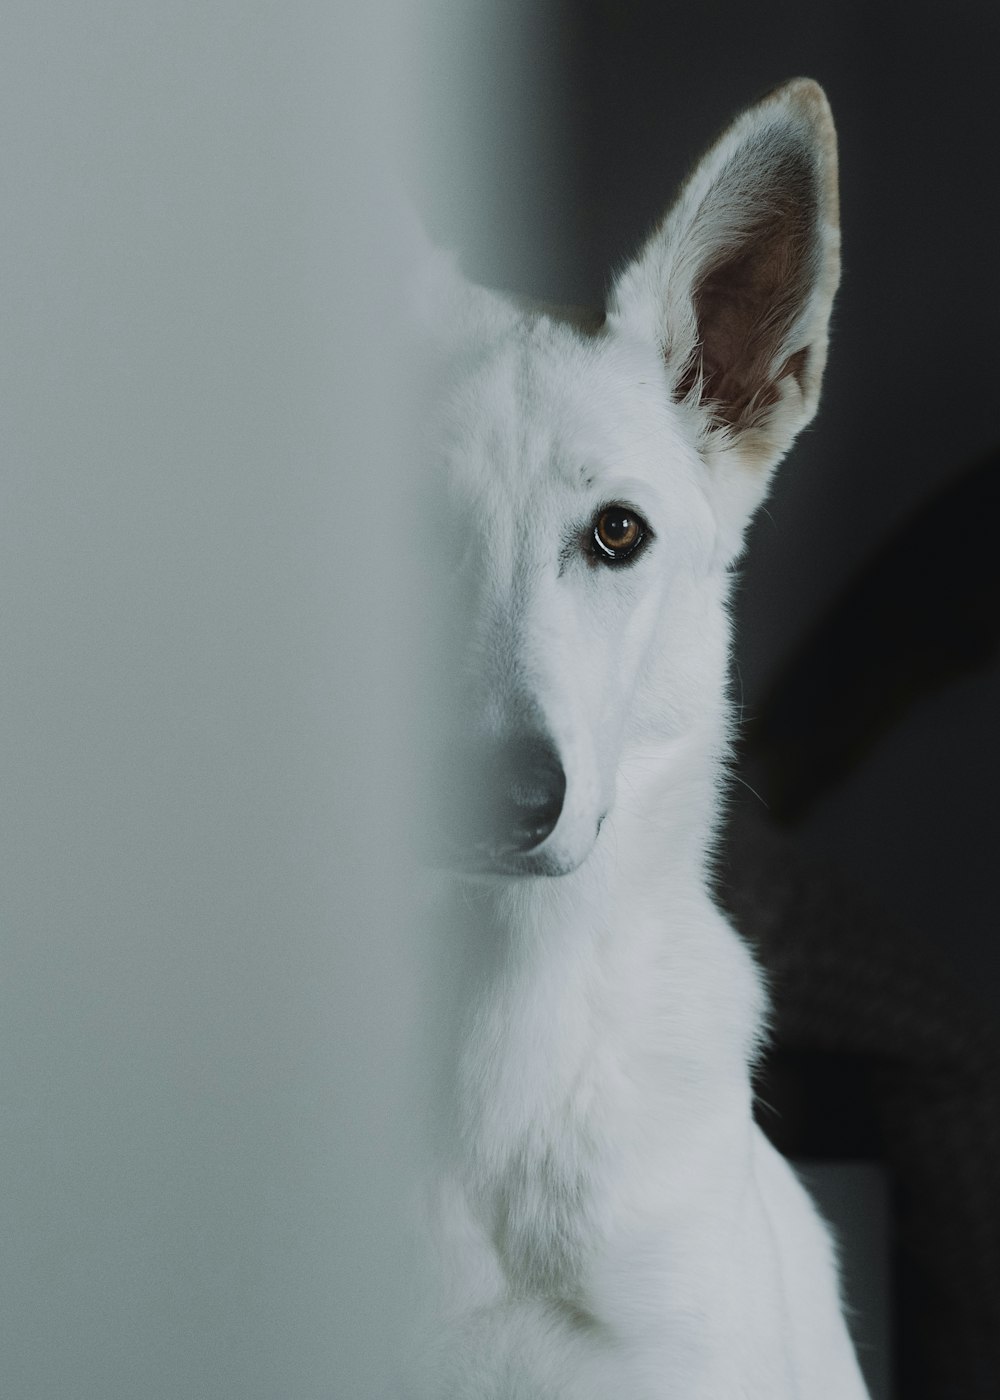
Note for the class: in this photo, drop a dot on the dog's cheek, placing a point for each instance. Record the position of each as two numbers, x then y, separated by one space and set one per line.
682 665
627 639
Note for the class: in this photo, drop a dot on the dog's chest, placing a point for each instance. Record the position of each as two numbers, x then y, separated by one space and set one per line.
550 1186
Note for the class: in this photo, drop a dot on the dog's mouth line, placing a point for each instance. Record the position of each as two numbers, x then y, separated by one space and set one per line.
503 863
484 859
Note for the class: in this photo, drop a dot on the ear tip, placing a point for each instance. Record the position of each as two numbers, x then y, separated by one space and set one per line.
807 99
801 90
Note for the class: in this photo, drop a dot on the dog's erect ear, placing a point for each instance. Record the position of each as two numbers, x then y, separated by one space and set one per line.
735 287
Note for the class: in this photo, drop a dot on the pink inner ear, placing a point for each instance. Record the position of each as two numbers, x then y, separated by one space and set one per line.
748 299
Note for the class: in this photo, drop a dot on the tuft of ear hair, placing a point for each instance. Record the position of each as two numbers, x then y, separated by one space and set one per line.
736 283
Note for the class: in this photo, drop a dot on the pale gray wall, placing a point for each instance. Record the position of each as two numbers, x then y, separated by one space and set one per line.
212 982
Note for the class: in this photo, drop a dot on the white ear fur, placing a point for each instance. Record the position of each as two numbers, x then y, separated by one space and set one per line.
735 288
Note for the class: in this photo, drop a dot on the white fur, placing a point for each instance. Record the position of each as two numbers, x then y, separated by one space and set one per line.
609 1220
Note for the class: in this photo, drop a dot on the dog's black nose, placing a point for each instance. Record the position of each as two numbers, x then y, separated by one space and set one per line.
525 795
495 803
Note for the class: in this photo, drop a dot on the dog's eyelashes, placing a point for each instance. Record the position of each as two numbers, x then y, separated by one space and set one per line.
616 533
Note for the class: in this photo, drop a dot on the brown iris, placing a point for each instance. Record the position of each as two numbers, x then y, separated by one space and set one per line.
618 532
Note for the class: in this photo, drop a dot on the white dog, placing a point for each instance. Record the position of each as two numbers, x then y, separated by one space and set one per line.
612 1224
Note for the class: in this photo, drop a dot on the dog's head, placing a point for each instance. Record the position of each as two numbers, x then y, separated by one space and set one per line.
597 481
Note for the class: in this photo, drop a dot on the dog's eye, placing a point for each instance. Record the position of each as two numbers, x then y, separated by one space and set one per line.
617 533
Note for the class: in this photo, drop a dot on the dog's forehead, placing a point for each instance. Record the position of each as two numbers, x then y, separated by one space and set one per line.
541 406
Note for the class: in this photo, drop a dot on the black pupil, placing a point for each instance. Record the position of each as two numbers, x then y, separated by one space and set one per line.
616 527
